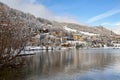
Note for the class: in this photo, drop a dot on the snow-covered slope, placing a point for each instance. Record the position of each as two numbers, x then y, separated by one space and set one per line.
81 32
69 29
89 34
37 23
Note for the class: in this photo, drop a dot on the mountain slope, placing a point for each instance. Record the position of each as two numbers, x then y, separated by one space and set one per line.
36 23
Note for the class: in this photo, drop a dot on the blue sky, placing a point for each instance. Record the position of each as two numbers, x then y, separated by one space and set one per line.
89 12
83 10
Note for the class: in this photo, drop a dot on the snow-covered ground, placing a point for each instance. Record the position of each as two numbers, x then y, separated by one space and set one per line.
88 33
69 29
28 48
31 50
82 32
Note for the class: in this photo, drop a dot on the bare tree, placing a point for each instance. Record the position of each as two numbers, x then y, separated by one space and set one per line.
13 38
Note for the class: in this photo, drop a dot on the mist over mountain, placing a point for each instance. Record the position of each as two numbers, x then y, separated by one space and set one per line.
36 23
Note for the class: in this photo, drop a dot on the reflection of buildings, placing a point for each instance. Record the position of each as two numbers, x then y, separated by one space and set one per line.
69 61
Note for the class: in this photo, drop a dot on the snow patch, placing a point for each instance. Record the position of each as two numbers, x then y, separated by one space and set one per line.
69 29
88 33
82 32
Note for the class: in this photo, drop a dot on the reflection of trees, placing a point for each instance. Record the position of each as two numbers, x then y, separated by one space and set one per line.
70 61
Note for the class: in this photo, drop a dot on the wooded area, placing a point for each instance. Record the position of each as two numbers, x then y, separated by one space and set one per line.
13 38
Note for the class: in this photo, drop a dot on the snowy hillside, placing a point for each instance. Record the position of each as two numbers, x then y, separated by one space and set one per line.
81 32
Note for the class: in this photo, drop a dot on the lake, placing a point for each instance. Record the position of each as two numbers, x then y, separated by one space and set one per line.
73 64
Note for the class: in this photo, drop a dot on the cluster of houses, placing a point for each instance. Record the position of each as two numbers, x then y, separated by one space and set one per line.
59 39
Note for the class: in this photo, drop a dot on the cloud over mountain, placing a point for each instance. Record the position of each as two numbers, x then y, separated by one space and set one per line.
39 10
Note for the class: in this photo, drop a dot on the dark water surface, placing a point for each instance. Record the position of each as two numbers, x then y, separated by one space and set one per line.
82 64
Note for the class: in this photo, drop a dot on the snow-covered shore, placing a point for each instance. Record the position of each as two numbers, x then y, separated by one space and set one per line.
29 48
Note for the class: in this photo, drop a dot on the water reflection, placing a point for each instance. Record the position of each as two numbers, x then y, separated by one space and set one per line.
46 65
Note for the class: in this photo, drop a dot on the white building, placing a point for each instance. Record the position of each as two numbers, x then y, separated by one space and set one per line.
116 44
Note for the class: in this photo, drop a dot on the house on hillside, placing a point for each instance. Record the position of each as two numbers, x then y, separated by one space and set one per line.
77 37
116 44
76 40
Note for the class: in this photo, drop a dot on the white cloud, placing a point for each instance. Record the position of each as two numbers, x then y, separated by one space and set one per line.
39 10
29 6
107 24
66 19
115 27
103 15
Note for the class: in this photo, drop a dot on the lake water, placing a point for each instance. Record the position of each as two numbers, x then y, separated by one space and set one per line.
82 64
72 64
